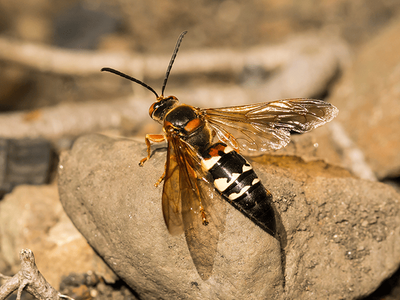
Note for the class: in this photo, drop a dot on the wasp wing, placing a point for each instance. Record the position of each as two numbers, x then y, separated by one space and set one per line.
196 199
171 195
267 126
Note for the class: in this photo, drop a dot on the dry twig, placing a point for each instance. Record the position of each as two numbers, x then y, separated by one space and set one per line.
70 120
305 66
30 279
60 61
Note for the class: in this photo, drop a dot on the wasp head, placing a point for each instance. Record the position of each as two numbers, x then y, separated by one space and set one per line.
159 109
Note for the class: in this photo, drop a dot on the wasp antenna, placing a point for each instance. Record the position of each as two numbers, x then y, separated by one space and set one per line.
130 78
171 62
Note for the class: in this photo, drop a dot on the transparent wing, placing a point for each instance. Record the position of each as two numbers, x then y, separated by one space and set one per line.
267 126
197 199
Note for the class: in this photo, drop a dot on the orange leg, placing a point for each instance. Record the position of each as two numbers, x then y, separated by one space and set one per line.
160 179
203 215
155 138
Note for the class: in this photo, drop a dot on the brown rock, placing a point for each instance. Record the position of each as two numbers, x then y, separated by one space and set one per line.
32 216
368 99
341 231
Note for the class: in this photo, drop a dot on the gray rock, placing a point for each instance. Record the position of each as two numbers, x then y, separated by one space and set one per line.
340 241
368 99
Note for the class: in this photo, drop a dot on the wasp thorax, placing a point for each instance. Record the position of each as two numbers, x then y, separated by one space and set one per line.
180 117
159 109
185 121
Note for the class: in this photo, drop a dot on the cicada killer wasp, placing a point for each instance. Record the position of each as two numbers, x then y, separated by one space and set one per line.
204 164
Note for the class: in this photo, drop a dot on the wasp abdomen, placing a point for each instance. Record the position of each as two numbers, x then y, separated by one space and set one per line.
236 180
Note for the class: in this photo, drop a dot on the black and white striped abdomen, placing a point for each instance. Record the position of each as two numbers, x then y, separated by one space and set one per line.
235 179
232 173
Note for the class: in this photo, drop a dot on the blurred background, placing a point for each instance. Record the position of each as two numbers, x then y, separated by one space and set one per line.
235 52
150 28
75 33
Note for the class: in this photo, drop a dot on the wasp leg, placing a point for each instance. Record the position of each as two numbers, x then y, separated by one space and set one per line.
160 179
155 138
203 216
